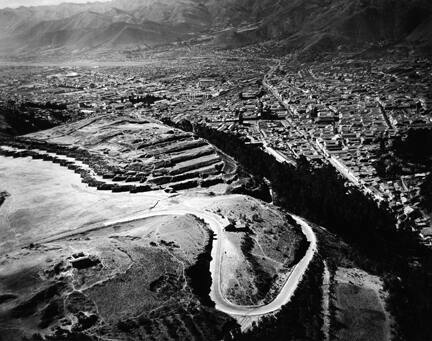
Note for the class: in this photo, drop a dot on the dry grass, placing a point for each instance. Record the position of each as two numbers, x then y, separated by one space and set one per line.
360 306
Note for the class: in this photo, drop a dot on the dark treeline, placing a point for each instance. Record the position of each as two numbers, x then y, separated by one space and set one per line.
21 119
44 105
199 276
320 195
406 154
426 193
252 186
147 99
415 145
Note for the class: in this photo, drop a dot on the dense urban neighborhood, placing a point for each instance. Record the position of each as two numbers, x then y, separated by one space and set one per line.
344 112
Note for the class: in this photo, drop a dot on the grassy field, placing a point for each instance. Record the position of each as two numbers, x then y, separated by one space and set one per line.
273 243
360 306
46 199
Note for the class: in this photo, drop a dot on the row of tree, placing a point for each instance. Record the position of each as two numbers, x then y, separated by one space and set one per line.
22 119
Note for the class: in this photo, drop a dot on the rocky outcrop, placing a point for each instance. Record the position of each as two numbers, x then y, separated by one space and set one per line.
3 196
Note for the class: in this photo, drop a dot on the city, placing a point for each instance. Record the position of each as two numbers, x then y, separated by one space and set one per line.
198 170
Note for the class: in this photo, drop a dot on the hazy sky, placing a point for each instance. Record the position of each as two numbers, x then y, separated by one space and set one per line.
17 3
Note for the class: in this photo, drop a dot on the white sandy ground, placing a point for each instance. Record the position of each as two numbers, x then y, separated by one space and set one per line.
46 199
49 202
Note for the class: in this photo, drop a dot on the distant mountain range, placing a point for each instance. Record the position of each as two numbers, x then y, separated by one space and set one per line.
308 25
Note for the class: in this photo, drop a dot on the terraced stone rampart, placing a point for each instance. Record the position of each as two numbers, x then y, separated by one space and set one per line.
204 169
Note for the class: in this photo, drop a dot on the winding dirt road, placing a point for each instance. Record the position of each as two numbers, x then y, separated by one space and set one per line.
217 224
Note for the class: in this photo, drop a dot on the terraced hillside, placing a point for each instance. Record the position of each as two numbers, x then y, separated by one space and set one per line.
128 154
85 264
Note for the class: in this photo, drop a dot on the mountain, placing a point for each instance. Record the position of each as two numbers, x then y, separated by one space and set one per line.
306 25
108 24
314 25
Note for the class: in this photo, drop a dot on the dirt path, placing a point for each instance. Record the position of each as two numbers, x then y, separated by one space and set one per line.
217 224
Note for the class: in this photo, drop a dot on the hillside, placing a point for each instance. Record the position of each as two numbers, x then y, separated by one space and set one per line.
311 26
119 258
317 25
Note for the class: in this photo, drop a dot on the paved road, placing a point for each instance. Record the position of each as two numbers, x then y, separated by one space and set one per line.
217 224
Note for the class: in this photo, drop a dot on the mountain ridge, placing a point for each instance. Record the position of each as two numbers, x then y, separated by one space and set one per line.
297 24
